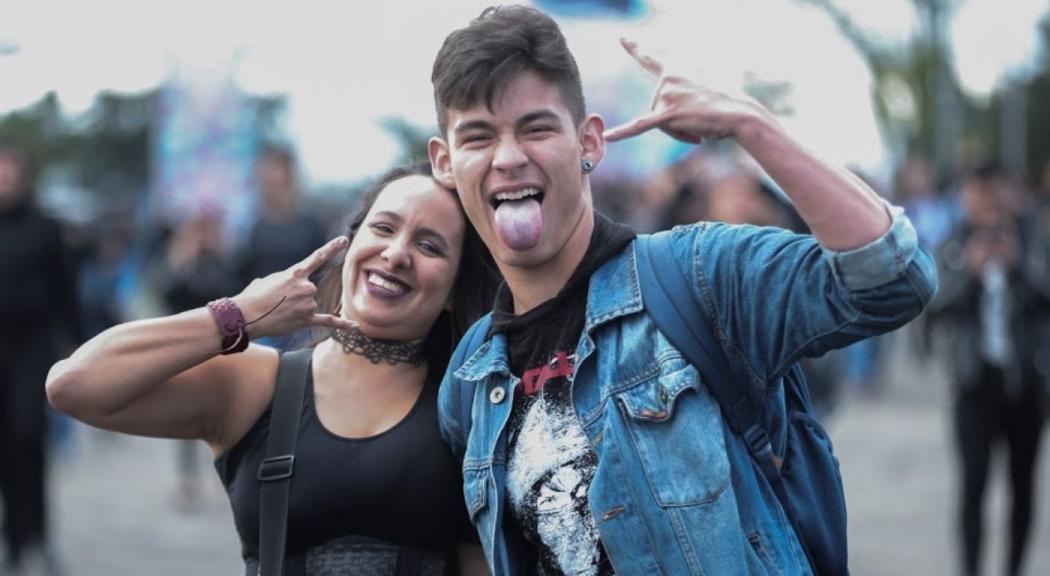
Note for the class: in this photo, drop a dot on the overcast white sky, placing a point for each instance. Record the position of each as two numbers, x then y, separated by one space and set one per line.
345 65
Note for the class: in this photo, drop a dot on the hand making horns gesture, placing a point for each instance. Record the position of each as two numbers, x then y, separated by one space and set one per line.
283 302
681 108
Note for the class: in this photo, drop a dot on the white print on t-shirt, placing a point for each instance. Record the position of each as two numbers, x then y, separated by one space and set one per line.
548 475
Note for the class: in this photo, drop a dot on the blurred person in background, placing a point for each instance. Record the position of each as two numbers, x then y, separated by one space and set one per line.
99 274
934 215
992 308
283 232
375 489
195 269
38 318
1041 200
914 188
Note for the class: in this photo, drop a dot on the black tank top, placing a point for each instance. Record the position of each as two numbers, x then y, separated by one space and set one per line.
402 487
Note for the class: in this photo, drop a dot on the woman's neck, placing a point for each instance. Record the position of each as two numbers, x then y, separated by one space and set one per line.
335 364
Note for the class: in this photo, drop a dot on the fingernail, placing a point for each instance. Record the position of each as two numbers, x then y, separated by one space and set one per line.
343 240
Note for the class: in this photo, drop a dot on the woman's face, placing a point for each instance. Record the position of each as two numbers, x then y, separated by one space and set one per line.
402 263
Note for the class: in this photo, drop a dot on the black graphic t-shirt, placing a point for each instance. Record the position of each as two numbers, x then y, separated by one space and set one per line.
550 461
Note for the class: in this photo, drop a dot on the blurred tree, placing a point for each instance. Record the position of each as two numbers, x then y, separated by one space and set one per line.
107 150
918 102
922 109
1037 97
412 138
39 130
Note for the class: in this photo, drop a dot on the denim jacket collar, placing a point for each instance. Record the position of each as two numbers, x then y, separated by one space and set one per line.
609 297
490 358
614 290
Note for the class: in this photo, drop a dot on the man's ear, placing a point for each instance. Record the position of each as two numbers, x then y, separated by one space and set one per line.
441 162
592 139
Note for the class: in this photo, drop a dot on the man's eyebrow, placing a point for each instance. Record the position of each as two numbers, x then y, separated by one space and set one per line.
545 114
472 125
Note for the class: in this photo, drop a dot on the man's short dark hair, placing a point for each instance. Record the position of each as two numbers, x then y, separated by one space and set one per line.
477 62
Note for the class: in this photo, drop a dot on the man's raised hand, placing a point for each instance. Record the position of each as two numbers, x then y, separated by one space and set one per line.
681 108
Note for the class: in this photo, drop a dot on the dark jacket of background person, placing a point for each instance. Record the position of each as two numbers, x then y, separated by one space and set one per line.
957 310
275 244
195 269
38 286
38 315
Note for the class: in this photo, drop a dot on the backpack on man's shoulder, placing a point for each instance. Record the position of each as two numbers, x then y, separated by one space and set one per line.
806 478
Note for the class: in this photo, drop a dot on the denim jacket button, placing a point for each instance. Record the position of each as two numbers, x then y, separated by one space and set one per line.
663 395
497 395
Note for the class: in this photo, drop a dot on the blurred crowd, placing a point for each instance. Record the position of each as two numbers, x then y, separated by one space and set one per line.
63 283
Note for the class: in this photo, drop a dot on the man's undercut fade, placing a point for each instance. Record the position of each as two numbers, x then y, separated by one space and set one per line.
476 63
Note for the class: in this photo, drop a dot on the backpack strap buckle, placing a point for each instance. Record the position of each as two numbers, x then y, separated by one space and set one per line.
276 468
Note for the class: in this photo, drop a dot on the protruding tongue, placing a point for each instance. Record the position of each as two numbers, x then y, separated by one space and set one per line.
519 223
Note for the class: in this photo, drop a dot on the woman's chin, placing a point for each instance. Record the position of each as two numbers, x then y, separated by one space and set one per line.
386 331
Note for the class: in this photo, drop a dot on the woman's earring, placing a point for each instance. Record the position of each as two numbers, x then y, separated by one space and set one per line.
586 165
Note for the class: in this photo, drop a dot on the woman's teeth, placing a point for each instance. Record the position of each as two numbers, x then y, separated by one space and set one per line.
390 285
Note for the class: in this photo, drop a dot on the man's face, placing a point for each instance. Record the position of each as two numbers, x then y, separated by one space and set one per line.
517 170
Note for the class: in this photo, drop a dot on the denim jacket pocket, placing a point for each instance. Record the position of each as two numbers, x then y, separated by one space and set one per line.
676 428
475 491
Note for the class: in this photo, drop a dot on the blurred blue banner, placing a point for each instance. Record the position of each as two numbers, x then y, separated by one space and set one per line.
626 9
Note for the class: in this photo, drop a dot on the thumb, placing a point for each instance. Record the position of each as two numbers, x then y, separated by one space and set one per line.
332 321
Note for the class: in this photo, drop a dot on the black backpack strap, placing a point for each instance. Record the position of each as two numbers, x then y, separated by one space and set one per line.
275 472
673 307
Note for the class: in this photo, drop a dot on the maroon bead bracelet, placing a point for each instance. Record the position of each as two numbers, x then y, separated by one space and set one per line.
230 320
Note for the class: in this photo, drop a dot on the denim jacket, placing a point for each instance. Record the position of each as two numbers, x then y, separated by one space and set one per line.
675 492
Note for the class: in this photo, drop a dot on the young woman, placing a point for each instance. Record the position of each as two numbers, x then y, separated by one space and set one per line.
373 482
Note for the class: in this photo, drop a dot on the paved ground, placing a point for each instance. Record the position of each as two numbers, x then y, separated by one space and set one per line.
113 514
898 463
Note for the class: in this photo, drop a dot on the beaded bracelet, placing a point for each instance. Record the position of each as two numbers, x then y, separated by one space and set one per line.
230 320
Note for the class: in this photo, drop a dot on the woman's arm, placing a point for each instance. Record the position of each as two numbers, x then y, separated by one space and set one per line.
161 377
165 377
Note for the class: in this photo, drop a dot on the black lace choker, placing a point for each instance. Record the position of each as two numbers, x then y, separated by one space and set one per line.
355 342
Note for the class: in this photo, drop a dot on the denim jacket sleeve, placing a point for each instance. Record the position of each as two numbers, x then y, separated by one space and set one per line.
773 296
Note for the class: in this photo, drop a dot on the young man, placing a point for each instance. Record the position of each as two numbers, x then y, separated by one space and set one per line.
594 446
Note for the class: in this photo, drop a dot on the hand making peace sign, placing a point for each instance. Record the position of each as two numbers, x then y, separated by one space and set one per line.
681 108
284 302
